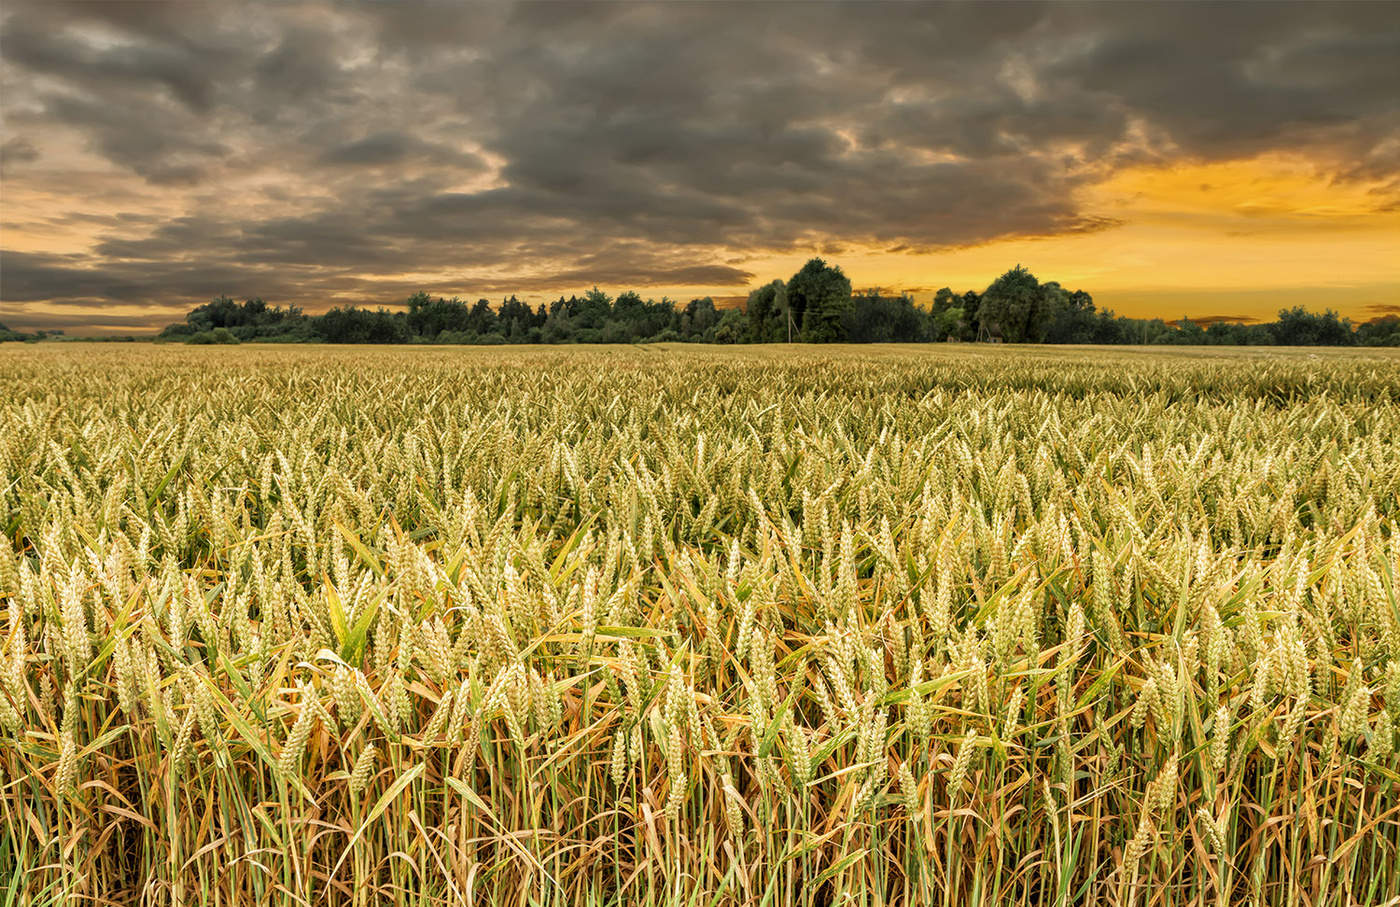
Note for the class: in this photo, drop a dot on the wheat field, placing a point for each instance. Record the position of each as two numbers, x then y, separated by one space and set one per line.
677 626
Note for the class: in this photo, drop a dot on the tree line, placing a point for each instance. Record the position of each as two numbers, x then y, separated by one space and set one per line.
8 335
815 305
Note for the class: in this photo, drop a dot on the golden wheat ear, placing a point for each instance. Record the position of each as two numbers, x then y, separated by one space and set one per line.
813 627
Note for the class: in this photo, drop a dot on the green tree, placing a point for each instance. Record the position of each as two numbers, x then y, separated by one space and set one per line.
1074 319
819 297
1384 331
767 310
1299 327
699 319
733 327
482 319
949 316
593 311
1018 307
7 334
872 318
950 322
217 335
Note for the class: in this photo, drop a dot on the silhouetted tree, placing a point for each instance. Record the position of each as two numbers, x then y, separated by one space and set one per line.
1299 327
1384 331
816 302
254 319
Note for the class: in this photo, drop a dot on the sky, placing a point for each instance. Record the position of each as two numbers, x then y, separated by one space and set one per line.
1196 159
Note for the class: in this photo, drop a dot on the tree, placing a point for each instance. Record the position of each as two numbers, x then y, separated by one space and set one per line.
949 316
428 317
816 304
818 298
972 308
733 327
767 311
7 335
218 335
481 319
352 325
873 318
253 319
517 320
593 311
1019 307
1073 319
950 323
1384 331
660 318
634 317
699 319
1299 327
628 306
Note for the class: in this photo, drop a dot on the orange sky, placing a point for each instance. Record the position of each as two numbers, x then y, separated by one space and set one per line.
1241 238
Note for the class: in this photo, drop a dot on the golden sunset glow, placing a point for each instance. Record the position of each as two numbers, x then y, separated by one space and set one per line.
1235 238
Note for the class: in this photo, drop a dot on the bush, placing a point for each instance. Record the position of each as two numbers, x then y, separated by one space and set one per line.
454 338
614 332
177 331
216 336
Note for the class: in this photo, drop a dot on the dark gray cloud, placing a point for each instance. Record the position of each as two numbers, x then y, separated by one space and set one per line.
18 150
310 151
394 148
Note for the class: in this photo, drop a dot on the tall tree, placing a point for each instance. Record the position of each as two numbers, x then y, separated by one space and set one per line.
767 310
699 318
1017 307
949 317
482 319
818 297
594 309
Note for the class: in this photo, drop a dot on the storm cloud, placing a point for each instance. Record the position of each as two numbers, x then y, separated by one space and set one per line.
318 152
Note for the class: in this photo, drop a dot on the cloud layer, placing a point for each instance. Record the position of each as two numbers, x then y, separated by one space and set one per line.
155 154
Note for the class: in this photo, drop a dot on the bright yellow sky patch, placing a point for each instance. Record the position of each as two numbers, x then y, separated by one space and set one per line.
1238 238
